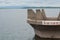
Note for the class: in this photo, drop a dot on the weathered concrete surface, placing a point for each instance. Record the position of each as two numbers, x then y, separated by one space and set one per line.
48 34
35 20
40 15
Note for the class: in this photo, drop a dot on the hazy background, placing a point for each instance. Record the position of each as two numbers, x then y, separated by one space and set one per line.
51 12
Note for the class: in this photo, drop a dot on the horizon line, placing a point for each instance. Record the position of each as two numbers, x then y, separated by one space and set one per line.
26 7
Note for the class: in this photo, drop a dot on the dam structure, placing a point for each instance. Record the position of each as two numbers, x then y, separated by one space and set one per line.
44 27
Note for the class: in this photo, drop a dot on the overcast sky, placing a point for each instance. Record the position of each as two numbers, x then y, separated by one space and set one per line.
34 3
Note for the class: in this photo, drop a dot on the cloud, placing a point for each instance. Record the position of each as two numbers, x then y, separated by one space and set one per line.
32 3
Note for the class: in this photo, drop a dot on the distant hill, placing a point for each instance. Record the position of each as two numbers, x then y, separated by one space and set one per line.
23 7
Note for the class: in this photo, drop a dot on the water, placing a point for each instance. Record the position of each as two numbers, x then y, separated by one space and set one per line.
14 26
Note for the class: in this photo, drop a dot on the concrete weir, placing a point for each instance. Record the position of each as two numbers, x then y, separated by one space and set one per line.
45 27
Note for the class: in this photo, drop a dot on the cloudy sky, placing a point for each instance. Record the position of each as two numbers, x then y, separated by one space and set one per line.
34 3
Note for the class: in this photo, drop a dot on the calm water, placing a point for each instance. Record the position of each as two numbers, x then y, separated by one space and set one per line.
13 25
